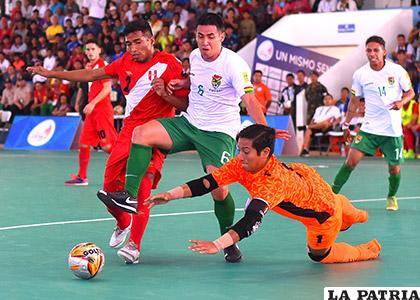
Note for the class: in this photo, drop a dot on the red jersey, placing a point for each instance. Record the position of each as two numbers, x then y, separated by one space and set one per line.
97 86
143 104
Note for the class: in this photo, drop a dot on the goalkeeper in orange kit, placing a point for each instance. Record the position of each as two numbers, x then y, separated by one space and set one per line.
296 191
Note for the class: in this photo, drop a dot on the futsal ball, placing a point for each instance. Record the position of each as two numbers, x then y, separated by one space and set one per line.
86 260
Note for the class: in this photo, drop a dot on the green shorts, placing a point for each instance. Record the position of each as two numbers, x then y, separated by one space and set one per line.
214 148
391 147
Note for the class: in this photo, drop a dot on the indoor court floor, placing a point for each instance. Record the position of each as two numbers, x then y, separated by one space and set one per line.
41 220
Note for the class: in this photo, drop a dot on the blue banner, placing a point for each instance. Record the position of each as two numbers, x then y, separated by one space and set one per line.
276 59
277 122
42 133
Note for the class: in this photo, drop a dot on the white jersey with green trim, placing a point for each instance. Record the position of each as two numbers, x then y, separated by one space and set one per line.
216 91
380 89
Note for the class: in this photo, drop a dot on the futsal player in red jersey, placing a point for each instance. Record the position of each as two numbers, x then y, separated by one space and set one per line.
143 73
98 127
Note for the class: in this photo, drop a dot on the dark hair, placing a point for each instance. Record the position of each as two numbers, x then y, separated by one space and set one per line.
301 71
212 19
258 71
401 35
290 75
138 25
345 88
315 73
261 136
375 39
93 41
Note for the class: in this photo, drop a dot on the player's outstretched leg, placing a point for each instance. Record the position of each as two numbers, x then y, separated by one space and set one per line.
341 178
350 214
130 253
343 252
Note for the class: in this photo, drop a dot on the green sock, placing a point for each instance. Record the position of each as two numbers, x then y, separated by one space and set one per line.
341 178
137 165
225 211
394 183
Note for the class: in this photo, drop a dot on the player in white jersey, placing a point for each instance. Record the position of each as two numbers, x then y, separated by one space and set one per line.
386 87
219 80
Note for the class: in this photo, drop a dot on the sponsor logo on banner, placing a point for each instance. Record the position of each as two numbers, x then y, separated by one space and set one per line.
41 133
265 50
371 293
343 28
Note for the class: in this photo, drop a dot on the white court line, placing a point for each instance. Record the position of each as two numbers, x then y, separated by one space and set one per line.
165 215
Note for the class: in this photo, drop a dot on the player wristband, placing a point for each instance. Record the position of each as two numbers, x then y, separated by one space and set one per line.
223 242
345 126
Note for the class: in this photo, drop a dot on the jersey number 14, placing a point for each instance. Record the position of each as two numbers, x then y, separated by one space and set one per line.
382 91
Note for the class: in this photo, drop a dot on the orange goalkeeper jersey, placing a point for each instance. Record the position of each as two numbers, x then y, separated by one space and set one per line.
298 184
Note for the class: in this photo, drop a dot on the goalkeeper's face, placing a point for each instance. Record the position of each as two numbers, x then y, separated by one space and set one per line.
252 161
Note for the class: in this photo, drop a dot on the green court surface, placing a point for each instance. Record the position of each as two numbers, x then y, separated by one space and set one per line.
41 220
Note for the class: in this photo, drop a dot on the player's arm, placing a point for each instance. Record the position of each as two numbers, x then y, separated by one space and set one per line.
76 75
106 90
406 97
180 102
254 110
193 188
246 226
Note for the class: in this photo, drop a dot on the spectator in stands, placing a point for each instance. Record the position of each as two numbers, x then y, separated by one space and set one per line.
26 9
324 119
20 29
191 24
63 106
155 24
186 67
133 11
261 91
170 12
302 84
159 11
410 114
200 8
300 6
7 96
260 15
40 106
230 19
343 102
247 29
117 97
19 46
118 52
213 7
402 44
405 62
53 30
18 62
11 74
231 40
4 63
77 55
43 46
34 31
230 5
288 97
22 98
281 9
6 45
314 93
346 5
92 27
96 9
185 51
163 38
179 39
80 27
327 6
41 6
50 60
176 22
5 27
147 10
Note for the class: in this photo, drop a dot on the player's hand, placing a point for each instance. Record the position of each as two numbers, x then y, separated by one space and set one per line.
347 136
282 134
158 199
159 86
175 84
89 108
203 247
38 70
396 105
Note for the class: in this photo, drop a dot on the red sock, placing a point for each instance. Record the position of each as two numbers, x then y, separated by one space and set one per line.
141 219
84 156
123 218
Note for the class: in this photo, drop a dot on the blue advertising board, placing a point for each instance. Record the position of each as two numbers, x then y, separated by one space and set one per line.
42 133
